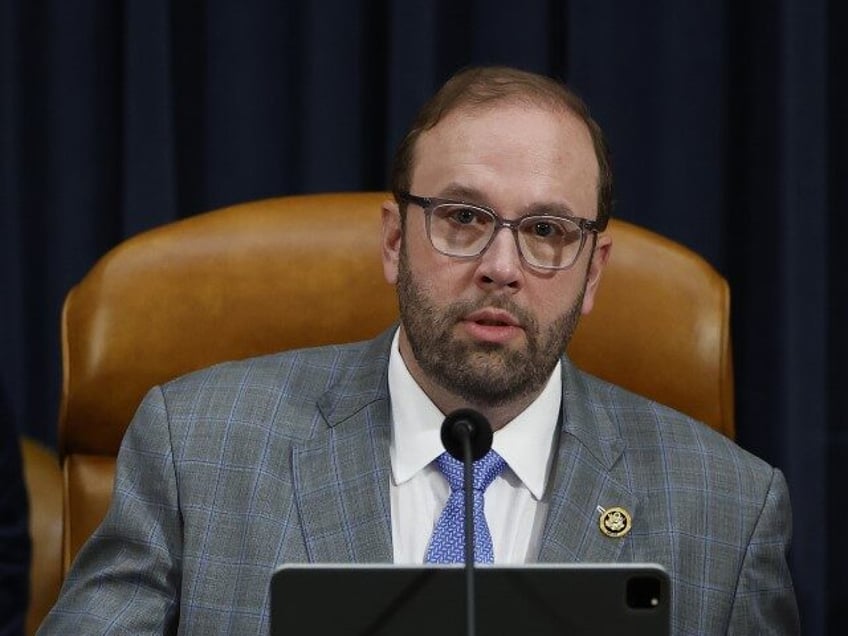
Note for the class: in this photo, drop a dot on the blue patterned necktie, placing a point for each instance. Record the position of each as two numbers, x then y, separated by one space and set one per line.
447 545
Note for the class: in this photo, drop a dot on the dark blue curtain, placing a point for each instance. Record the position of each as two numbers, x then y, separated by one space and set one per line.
727 122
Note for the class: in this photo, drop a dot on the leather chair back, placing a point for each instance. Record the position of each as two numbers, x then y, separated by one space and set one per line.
305 270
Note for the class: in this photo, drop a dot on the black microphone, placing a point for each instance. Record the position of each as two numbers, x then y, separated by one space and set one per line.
466 424
467 436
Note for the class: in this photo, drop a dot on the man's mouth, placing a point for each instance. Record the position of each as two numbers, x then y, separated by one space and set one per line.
492 325
493 317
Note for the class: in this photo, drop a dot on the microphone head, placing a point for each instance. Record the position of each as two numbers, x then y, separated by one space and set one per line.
464 423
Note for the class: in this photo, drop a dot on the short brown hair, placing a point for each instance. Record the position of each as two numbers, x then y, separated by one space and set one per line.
480 86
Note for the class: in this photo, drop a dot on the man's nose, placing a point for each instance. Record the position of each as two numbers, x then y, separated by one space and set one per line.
501 265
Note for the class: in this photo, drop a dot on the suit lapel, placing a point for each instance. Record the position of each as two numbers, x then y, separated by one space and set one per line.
341 475
588 475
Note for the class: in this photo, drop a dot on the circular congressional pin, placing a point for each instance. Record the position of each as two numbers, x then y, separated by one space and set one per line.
615 522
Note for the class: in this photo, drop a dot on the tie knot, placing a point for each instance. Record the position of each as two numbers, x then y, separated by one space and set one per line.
485 470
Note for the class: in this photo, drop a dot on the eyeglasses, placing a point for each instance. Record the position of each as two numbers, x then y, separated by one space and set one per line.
465 230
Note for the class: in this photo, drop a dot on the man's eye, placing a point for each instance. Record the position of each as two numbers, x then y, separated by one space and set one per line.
465 216
552 231
548 230
544 229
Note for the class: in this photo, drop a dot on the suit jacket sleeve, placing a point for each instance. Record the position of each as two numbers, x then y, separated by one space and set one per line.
126 578
765 599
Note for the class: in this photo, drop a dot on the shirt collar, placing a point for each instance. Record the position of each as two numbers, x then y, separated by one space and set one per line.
525 443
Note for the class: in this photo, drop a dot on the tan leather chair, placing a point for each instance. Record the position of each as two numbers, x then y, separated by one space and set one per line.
44 488
305 270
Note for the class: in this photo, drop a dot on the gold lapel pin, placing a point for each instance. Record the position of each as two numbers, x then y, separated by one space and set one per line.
615 522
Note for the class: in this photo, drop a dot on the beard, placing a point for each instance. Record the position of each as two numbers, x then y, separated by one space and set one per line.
482 373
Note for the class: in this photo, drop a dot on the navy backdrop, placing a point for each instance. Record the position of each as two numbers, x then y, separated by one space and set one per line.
727 121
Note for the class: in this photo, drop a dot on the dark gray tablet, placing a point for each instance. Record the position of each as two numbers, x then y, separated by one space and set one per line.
596 599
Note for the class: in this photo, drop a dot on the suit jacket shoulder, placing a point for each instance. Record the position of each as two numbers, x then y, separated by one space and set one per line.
338 378
653 431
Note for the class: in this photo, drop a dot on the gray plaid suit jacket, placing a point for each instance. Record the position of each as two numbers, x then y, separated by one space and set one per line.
229 472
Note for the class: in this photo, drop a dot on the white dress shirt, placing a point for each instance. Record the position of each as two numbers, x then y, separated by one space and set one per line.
515 504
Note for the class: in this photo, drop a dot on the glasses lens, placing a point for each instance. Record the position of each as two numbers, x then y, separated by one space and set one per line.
460 230
550 241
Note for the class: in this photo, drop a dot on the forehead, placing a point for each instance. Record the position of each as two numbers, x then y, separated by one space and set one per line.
514 154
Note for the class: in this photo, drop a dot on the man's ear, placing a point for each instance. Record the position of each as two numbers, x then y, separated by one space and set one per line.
597 263
391 241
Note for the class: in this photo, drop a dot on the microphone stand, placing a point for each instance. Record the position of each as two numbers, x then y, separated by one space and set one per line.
470 609
467 436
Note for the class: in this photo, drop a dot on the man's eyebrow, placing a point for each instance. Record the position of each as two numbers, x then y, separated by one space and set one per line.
464 193
549 209
467 194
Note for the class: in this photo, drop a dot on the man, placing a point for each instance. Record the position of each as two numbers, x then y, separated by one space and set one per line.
494 241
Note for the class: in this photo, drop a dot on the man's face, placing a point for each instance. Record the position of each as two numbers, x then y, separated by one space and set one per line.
489 330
